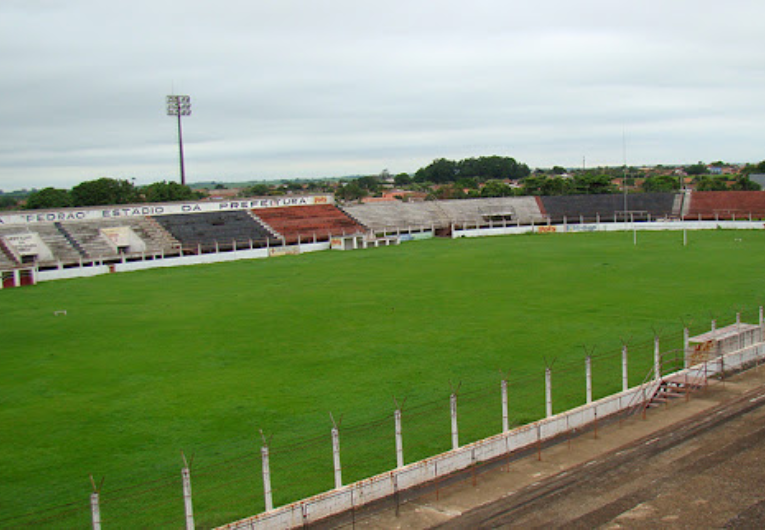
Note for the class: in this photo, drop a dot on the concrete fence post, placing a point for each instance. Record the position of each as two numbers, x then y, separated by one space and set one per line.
548 392
336 458
266 467
505 408
189 508
686 342
455 427
656 358
399 439
625 370
714 325
762 323
95 511
588 377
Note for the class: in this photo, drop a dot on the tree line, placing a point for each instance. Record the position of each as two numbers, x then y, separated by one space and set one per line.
108 191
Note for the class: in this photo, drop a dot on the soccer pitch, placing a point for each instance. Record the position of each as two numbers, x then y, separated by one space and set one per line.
201 358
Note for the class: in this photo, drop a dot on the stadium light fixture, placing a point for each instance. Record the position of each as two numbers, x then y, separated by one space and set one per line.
179 106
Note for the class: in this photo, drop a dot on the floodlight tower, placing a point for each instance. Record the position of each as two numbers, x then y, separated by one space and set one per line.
179 106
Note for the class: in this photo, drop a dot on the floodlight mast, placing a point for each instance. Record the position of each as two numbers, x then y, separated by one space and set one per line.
179 106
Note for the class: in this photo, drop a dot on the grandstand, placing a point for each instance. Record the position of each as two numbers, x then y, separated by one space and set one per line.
726 205
400 216
612 207
308 223
70 238
213 231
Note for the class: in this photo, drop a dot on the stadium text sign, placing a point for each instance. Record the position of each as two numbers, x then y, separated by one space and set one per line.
91 214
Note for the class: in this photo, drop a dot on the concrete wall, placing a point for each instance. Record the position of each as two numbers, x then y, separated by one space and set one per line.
176 261
465 231
354 495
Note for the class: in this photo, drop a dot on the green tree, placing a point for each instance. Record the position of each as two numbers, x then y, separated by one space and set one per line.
558 170
557 186
255 190
402 179
371 184
496 188
168 192
351 191
439 171
707 183
49 198
661 183
103 191
696 169
593 184
467 183
534 185
743 183
492 167
8 203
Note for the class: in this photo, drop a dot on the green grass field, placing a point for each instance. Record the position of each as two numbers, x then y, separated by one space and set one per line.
201 358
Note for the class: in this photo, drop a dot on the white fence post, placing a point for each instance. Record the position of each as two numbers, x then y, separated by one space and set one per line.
336 457
267 493
186 476
686 342
548 392
455 428
625 370
588 377
505 413
95 511
399 439
714 325
762 323
656 358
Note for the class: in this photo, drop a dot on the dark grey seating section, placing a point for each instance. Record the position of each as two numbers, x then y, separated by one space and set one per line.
222 230
589 208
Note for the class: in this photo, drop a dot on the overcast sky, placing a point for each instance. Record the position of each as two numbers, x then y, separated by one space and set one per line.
311 88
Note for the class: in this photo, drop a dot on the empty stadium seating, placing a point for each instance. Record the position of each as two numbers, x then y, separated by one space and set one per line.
726 205
7 260
307 223
210 231
589 208
53 238
87 236
392 216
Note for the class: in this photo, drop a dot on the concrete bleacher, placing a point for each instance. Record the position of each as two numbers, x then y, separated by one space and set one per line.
610 207
726 205
392 216
53 238
7 260
89 237
308 223
381 216
522 210
209 231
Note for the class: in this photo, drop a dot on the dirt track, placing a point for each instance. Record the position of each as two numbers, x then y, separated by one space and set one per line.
692 464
